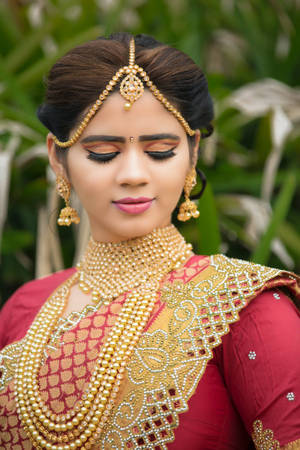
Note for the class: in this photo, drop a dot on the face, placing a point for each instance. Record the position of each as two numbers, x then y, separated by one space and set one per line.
128 168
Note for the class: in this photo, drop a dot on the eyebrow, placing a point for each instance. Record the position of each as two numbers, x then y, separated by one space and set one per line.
158 137
102 138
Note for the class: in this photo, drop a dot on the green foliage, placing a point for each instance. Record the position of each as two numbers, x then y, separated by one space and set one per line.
282 205
209 230
236 42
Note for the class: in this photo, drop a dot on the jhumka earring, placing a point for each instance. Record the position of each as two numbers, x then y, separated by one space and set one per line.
68 214
188 208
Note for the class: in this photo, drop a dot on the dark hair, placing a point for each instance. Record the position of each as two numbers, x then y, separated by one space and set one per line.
76 80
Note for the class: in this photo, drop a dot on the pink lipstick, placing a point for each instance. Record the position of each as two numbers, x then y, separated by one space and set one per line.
134 205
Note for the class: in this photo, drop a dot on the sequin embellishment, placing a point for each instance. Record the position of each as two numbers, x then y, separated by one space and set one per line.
264 439
9 357
276 295
252 355
290 396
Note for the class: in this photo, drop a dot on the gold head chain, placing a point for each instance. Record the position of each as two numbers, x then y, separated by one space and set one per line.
131 89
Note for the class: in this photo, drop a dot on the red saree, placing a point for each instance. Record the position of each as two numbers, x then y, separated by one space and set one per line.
190 382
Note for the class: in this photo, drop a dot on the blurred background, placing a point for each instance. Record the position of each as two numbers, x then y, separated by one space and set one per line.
250 51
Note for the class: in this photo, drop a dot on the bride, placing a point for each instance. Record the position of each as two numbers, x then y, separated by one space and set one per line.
144 345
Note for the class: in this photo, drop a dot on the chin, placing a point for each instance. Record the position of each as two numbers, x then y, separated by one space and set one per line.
137 229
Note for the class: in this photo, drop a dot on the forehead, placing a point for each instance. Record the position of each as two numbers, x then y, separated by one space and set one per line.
146 116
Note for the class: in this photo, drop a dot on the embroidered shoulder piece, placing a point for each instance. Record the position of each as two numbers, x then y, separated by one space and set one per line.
170 358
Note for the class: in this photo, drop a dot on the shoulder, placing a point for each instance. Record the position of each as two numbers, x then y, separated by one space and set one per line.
253 297
20 309
259 360
270 318
235 278
223 267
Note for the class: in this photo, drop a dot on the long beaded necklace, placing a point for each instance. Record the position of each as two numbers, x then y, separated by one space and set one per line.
143 262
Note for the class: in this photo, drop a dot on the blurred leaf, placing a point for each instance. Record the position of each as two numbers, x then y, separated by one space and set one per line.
13 90
41 67
281 207
26 47
291 238
10 34
208 224
20 116
14 240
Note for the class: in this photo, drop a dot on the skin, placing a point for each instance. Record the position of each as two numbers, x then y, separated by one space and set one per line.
133 172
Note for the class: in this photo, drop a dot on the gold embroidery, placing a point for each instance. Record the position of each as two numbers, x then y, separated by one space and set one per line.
9 357
295 445
170 358
65 324
264 439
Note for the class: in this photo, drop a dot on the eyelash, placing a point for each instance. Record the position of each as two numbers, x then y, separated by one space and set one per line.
102 157
107 157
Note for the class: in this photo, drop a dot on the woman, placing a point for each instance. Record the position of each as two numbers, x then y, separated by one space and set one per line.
144 345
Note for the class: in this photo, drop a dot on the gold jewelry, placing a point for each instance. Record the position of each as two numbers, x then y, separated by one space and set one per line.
131 89
188 208
101 273
131 139
81 426
68 214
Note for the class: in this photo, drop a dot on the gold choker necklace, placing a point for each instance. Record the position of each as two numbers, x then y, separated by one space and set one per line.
109 269
155 255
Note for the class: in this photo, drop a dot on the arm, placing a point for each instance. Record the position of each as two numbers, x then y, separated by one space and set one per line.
260 362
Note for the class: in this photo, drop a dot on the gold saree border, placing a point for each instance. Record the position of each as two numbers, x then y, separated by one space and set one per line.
264 439
171 357
294 445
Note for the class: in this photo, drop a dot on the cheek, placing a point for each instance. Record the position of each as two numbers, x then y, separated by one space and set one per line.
172 182
88 179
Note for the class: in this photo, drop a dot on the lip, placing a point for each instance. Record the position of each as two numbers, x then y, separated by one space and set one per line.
131 200
134 205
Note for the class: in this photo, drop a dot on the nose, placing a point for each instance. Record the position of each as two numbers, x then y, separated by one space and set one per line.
133 168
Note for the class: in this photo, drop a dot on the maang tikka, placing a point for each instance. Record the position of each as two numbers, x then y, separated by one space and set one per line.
188 208
132 80
68 214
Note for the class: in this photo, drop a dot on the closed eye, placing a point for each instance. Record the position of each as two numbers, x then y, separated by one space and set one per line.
106 157
161 155
102 157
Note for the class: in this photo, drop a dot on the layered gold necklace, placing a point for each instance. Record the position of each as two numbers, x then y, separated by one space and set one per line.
107 270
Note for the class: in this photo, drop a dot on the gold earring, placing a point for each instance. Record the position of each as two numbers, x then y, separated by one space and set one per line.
68 214
188 208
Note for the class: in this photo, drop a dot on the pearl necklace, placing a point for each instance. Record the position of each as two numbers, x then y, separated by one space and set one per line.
82 426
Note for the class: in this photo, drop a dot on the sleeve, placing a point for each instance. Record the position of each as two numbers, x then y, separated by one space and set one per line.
260 362
8 314
21 308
